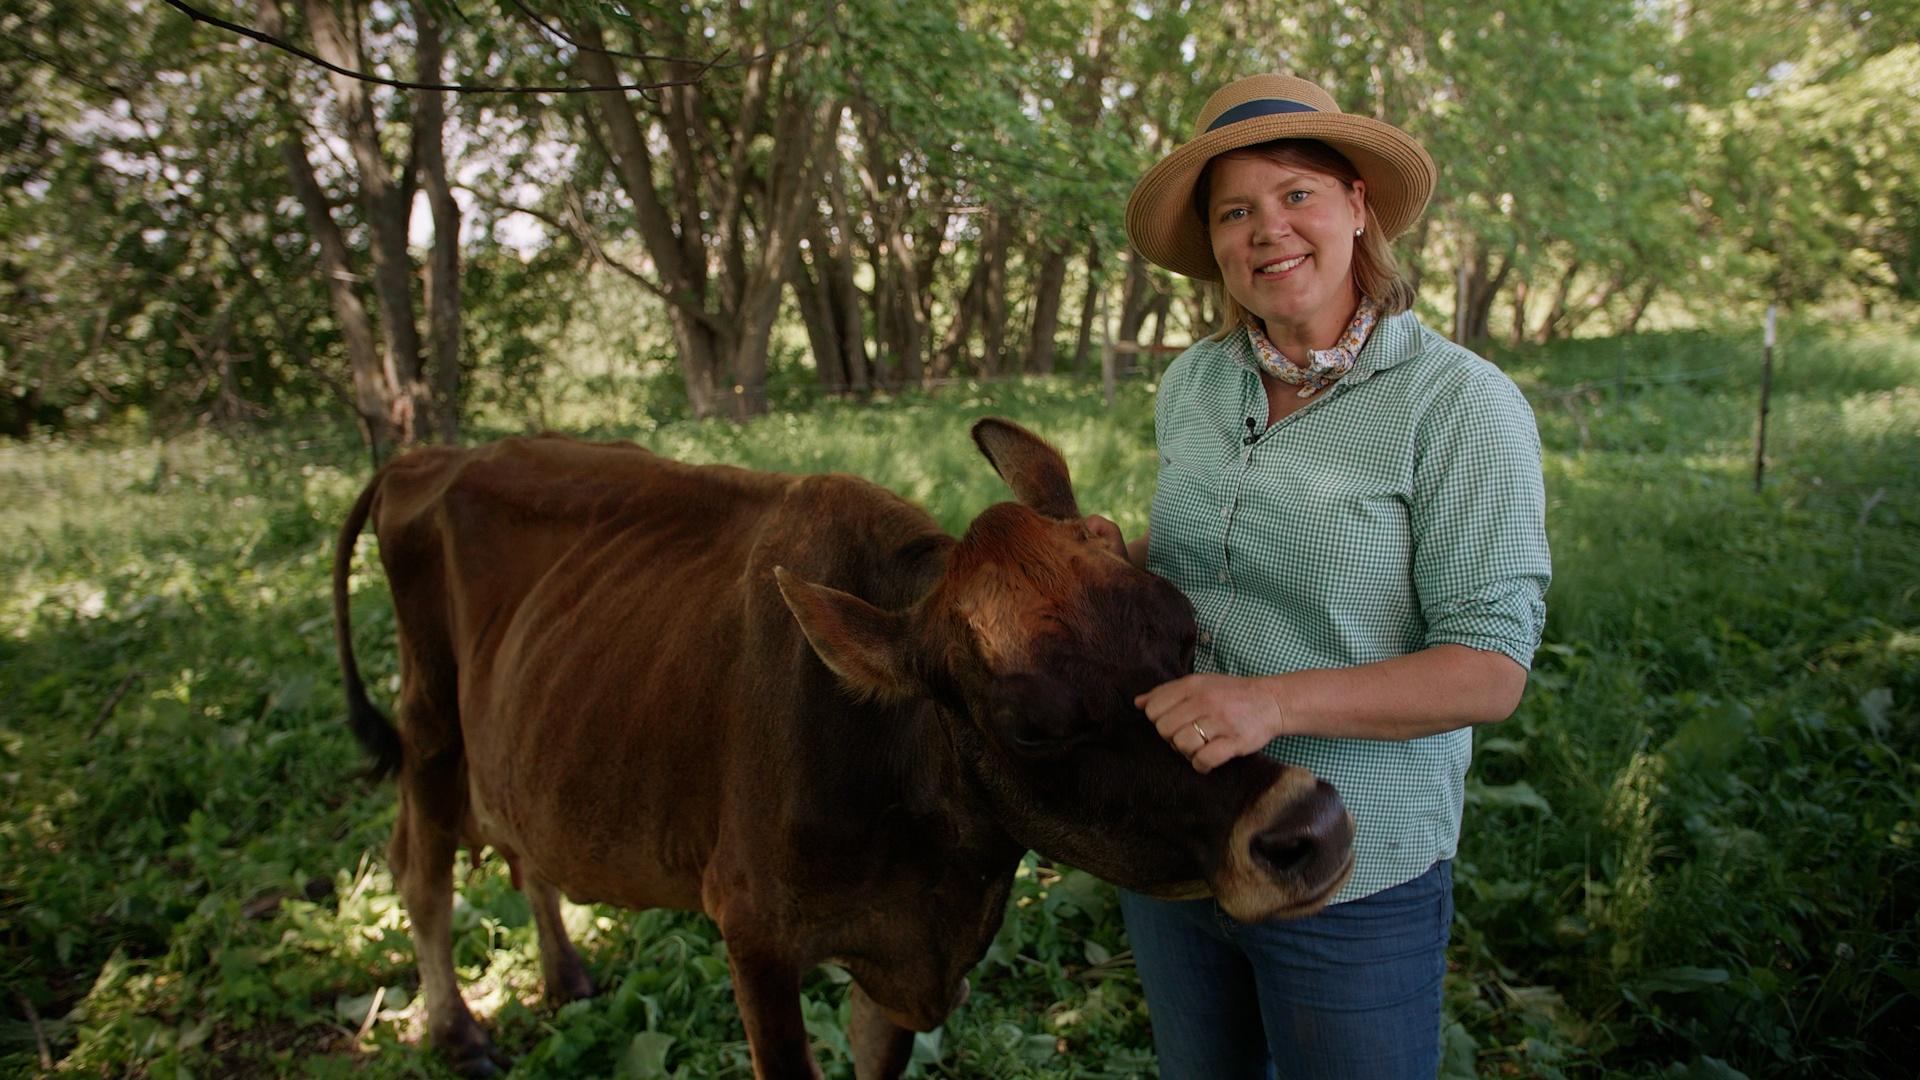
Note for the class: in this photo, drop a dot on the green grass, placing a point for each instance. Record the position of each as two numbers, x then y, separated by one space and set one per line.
1692 851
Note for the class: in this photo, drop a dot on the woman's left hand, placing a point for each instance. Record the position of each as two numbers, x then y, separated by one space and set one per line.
1212 719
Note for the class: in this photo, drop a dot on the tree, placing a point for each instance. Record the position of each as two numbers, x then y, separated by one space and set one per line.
721 218
391 392
143 246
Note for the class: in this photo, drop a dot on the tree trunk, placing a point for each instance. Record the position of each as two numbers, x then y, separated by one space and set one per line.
383 203
792 182
1046 310
374 388
1481 290
443 265
816 314
1518 331
844 294
966 312
1089 308
1647 291
1199 296
886 358
1557 309
722 279
698 333
1160 310
830 309
993 326
1413 252
925 260
1577 315
1136 298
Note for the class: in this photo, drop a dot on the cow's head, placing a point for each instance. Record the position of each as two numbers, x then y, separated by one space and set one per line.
1034 643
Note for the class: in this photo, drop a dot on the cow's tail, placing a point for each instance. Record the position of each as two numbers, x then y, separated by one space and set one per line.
369 724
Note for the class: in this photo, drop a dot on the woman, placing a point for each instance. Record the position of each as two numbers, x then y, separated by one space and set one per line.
1354 506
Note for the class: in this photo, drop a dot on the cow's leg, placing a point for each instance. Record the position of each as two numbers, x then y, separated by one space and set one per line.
881 1048
424 842
767 989
566 975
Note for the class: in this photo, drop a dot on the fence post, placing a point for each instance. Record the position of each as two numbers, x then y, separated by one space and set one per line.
1766 393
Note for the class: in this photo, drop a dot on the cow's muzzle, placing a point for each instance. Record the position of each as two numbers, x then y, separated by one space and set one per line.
1289 852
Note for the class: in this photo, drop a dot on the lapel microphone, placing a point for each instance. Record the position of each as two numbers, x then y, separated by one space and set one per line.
1253 433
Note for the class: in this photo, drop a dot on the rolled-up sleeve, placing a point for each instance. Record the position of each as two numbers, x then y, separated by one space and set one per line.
1478 516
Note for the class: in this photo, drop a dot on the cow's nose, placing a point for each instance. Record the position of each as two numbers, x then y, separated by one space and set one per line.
1307 842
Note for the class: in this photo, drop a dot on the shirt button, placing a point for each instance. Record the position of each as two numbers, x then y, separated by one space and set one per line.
1226 511
1223 577
1206 638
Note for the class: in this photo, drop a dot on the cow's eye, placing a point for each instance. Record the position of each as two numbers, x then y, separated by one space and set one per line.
1037 717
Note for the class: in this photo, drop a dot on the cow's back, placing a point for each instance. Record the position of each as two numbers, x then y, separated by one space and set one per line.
626 674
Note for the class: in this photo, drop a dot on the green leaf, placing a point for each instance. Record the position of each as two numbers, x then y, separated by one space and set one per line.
1499 744
1874 706
1706 743
1519 795
1460 1055
929 1047
1907 977
1681 980
1703 1067
645 1057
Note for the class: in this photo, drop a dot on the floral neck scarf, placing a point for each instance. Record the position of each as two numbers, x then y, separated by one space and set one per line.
1326 365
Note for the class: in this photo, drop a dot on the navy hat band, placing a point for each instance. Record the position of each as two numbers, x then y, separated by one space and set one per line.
1247 110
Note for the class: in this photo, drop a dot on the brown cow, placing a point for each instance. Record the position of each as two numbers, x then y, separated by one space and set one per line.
795 704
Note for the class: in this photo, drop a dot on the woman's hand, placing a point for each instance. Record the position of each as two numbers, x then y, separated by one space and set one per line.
1212 719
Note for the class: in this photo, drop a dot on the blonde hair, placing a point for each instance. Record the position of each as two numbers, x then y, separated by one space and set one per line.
1376 273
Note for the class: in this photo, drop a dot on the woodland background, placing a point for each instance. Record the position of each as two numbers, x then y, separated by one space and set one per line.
872 194
827 237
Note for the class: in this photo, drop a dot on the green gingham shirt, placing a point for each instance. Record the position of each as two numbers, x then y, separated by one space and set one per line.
1401 509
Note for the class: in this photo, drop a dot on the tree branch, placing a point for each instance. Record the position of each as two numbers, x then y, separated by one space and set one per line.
100 718
702 66
39 1032
644 58
577 215
402 84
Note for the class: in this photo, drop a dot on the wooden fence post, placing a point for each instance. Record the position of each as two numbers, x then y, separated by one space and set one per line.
1766 393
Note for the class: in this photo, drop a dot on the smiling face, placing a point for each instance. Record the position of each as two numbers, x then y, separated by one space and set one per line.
1283 237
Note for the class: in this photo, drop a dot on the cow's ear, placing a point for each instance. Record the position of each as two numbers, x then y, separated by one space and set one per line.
1035 471
865 646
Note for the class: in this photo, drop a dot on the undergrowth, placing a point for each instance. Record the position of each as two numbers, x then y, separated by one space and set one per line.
1691 853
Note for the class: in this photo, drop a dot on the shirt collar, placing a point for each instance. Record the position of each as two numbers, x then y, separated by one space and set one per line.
1394 338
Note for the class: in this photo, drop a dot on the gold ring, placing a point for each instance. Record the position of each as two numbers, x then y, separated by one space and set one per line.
1202 732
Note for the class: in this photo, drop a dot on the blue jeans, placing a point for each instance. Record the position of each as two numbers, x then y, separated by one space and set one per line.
1353 992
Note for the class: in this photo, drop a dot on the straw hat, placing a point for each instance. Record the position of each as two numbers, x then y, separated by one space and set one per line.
1260 108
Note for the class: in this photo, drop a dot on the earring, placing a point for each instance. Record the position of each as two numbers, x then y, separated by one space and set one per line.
1361 231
